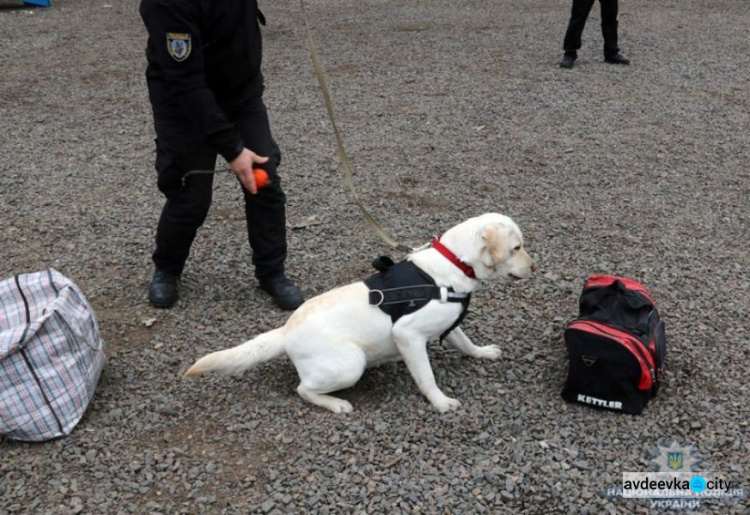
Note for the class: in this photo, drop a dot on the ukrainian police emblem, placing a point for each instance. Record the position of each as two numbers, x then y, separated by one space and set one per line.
179 45
674 456
675 460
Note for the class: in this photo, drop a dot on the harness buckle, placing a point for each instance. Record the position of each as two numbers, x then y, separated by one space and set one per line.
443 294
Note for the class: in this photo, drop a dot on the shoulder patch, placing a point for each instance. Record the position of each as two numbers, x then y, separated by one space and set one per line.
179 45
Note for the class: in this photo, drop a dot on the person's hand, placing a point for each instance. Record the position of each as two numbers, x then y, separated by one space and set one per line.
242 166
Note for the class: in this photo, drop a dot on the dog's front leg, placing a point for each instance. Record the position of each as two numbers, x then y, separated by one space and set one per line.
413 349
459 340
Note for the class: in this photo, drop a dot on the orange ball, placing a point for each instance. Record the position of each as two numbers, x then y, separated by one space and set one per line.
261 177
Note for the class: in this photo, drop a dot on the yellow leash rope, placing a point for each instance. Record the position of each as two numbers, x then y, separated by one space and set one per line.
339 142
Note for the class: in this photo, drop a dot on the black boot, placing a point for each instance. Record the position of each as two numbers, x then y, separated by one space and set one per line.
162 293
568 61
286 295
617 59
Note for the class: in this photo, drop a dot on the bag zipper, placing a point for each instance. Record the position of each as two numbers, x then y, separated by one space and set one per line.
606 280
630 342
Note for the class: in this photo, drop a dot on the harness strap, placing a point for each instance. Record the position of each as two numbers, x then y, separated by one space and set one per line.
464 312
414 294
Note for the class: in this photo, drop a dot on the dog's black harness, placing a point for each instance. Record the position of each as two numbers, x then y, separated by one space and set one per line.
399 289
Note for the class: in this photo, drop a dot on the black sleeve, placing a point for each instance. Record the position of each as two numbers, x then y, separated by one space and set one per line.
186 77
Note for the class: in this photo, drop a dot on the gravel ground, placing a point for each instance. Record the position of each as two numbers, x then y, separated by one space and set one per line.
447 111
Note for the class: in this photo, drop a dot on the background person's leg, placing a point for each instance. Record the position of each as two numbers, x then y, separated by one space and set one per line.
609 27
578 15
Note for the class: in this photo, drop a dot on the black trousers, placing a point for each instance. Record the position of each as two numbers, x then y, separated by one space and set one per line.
179 150
578 15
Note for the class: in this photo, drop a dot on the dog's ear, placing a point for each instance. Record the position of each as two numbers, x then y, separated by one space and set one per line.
495 241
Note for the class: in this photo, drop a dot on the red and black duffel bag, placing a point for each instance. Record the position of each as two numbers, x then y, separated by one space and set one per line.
616 346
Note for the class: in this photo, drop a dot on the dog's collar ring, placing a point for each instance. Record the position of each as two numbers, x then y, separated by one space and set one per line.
382 297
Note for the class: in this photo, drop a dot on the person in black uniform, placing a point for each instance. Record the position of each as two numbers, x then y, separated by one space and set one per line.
205 87
578 15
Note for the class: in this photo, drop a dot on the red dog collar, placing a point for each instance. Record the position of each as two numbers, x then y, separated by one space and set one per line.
450 256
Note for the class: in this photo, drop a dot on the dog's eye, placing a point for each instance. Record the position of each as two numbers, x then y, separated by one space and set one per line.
517 248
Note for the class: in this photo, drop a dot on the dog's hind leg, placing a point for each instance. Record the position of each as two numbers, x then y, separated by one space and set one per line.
330 368
459 340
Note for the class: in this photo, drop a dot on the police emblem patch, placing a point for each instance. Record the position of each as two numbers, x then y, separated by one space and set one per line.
675 460
674 456
179 45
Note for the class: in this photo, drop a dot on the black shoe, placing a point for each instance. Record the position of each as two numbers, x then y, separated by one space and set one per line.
162 293
567 61
617 59
286 295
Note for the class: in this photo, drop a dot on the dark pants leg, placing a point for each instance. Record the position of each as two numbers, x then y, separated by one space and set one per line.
609 27
187 205
578 15
266 211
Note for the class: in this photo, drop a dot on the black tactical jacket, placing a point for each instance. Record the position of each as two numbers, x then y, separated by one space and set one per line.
204 57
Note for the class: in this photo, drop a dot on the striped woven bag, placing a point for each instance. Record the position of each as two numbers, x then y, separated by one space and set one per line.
51 355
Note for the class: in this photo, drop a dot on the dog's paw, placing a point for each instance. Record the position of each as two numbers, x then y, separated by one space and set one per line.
339 406
446 404
489 352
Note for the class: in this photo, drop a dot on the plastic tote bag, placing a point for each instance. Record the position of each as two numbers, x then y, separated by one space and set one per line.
51 356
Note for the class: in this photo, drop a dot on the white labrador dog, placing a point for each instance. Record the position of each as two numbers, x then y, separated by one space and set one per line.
334 337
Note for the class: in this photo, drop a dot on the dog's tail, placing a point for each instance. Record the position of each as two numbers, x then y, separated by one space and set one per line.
238 359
